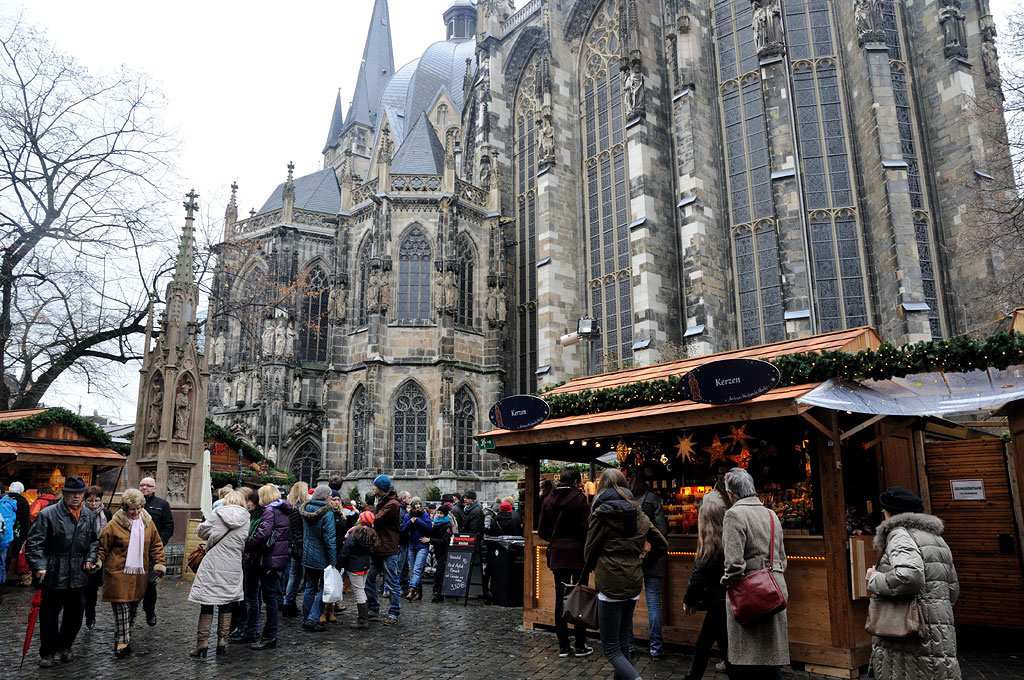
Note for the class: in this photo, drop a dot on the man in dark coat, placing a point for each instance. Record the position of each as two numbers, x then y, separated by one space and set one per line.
62 547
384 557
563 524
650 503
160 511
22 523
472 522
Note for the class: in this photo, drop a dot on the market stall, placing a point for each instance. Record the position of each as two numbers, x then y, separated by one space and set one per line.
820 469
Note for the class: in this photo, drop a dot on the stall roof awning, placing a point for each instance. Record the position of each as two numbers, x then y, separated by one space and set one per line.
54 452
922 394
777 403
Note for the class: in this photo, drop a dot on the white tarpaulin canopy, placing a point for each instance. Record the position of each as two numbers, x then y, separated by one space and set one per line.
922 394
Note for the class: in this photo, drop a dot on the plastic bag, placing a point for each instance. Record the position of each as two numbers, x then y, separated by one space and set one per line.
333 585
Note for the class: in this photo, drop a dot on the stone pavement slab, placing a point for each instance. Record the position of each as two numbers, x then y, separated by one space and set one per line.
431 642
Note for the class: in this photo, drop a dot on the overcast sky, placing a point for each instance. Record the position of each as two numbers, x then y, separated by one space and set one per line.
250 86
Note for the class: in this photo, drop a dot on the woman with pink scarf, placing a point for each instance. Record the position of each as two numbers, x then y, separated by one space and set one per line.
129 544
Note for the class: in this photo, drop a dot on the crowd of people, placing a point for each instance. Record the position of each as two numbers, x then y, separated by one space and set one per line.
265 546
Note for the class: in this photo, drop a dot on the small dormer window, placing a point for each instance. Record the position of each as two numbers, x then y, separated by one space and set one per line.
442 115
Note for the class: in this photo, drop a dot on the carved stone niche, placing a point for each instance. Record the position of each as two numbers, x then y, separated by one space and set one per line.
177 485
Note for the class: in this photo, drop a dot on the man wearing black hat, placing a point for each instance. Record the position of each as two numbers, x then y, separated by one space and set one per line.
60 550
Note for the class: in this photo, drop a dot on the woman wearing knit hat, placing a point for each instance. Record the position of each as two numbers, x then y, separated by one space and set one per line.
319 548
915 562
354 558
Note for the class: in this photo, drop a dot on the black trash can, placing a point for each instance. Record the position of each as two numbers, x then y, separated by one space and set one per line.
505 562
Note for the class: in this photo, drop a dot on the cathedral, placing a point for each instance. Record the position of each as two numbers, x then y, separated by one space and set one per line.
666 177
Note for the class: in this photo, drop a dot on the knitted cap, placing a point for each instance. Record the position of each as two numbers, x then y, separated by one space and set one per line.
505 507
383 482
321 493
16 487
415 499
897 499
366 518
470 494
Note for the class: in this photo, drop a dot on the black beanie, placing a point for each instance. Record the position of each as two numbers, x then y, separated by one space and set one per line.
897 499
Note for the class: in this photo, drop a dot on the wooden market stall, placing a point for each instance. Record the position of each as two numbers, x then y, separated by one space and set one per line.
821 470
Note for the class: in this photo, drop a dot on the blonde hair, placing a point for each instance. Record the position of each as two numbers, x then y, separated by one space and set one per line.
269 493
235 497
612 478
709 527
508 499
298 494
132 498
223 491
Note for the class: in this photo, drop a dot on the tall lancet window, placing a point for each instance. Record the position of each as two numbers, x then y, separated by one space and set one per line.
526 165
465 428
362 313
313 319
465 257
606 190
410 428
414 277
360 429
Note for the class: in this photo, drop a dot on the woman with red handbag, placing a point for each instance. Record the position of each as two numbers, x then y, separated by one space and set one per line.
754 554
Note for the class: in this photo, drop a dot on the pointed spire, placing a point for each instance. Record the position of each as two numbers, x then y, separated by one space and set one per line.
337 125
231 214
187 247
288 196
375 70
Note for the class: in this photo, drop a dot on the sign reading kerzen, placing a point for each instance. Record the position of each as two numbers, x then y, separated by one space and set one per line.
968 489
729 381
519 412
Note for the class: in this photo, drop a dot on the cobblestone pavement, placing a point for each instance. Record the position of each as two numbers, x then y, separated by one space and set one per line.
449 642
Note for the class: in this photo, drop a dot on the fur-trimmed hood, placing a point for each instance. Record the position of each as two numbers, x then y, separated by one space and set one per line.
314 510
907 520
123 520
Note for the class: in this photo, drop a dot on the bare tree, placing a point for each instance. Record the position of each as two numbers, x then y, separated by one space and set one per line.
81 157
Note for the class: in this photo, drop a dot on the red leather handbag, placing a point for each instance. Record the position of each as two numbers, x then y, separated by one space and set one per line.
758 595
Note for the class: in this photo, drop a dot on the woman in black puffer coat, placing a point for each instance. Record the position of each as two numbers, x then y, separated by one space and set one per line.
297 497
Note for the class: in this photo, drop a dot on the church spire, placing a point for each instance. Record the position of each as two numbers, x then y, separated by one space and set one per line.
337 125
187 247
375 70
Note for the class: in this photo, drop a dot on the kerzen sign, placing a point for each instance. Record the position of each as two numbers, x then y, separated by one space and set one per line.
728 381
519 412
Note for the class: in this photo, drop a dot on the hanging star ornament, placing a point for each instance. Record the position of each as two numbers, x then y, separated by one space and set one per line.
685 448
738 437
717 449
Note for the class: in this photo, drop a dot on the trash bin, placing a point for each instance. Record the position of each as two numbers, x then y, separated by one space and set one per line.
505 562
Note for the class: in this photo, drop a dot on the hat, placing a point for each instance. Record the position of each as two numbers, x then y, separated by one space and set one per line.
415 499
366 518
505 507
470 494
16 487
383 482
74 485
321 492
897 499
335 493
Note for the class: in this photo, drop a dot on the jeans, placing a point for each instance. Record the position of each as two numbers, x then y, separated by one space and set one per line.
295 574
313 600
652 593
417 560
267 581
285 574
55 634
713 630
389 566
615 621
563 576
3 564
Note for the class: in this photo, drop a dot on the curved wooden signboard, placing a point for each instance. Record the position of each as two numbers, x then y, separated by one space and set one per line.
728 381
519 412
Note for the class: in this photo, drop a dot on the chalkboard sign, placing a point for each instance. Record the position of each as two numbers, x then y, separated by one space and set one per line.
728 381
457 571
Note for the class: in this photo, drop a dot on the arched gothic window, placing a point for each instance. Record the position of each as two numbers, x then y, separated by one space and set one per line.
360 429
465 256
526 167
606 190
410 428
414 277
252 294
313 320
362 312
306 463
465 427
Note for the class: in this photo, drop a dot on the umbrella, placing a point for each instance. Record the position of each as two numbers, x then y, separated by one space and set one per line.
206 500
33 614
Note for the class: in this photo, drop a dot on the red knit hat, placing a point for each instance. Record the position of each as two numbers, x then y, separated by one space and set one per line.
505 507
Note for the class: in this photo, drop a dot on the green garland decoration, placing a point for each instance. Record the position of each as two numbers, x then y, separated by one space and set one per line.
960 354
213 430
14 429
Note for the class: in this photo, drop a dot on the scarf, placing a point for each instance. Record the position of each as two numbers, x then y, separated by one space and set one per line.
133 563
101 521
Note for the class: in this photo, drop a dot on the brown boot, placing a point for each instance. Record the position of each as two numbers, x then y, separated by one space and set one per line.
223 630
361 620
331 616
202 636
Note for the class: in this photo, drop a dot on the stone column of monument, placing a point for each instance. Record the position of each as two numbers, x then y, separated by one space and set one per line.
173 382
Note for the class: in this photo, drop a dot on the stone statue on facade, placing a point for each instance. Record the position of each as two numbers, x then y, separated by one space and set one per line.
373 291
547 140
868 17
280 341
954 32
156 407
437 294
451 290
182 410
240 386
267 339
385 291
633 86
272 453
289 333
485 172
296 389
219 349
341 301
768 33
256 389
496 307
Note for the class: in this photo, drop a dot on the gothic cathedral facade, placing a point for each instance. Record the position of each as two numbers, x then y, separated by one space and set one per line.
693 175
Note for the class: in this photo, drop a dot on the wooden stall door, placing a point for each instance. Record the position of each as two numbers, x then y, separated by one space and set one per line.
981 533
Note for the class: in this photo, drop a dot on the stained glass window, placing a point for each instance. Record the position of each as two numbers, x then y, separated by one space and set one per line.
465 256
362 308
307 463
414 257
410 428
526 167
313 317
360 419
465 428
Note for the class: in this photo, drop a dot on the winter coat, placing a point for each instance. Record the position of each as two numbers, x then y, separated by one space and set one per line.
474 519
387 523
274 521
417 528
9 514
61 546
160 511
42 501
563 524
441 530
297 532
354 555
403 534
113 553
746 535
615 540
507 523
23 518
319 542
915 560
650 503
219 579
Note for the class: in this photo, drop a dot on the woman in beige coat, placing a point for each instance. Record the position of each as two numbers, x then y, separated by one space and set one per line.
760 647
219 579
129 544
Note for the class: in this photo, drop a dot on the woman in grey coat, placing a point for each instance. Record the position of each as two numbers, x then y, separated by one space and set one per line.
219 579
760 647
915 560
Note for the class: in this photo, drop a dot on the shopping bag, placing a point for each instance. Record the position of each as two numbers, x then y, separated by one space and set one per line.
333 585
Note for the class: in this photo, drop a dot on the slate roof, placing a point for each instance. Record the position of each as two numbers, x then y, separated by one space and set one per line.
337 125
318 191
376 69
422 153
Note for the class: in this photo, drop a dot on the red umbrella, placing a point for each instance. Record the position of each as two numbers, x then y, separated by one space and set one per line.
33 614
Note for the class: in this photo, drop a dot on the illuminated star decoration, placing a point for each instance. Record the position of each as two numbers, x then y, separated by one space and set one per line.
622 451
717 449
685 448
738 437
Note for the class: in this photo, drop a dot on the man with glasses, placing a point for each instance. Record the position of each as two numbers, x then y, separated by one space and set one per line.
160 512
